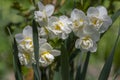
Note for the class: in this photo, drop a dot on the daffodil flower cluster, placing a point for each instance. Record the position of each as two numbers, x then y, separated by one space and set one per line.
86 27
26 49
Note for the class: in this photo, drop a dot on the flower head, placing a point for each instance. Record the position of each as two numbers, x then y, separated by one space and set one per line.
99 18
43 13
79 20
87 39
60 26
25 46
47 54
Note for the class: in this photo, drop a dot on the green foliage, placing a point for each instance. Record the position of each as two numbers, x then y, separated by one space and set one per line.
15 15
37 74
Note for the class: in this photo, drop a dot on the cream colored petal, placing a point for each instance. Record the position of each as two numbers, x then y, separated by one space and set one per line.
49 10
77 14
102 10
19 37
27 31
92 11
40 6
107 22
94 48
77 43
46 46
55 52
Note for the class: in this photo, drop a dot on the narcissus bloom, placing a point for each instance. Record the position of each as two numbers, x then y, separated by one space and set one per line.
25 46
60 26
87 40
43 13
99 18
47 54
79 20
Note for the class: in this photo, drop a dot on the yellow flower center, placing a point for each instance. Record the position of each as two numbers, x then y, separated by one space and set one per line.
78 23
27 44
43 55
58 25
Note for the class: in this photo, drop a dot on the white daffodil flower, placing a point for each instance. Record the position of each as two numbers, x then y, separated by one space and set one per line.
79 20
99 18
60 26
43 13
24 40
87 40
47 54
25 46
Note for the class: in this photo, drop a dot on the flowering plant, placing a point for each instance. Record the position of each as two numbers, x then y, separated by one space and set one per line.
53 42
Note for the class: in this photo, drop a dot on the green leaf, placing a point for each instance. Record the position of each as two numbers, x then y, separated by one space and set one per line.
17 66
108 64
115 16
117 74
85 66
36 52
81 73
64 62
78 73
57 75
67 6
74 54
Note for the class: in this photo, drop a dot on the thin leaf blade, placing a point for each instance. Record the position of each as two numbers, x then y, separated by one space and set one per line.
37 73
108 64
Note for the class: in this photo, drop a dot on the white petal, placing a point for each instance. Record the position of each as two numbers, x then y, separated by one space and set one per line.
107 22
64 18
46 46
42 41
49 9
27 31
77 43
55 52
50 57
102 10
94 48
19 37
92 32
92 11
51 20
77 14
40 6
64 35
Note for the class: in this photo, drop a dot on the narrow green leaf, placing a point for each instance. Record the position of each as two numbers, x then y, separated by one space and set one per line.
108 64
17 66
57 75
64 62
78 74
36 51
81 73
117 74
74 54
85 66
115 16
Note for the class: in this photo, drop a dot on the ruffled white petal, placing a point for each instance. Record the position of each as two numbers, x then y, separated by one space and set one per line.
55 52
92 11
49 9
102 10
19 37
27 31
46 46
40 6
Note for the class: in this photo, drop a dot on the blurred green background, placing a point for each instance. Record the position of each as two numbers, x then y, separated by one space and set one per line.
15 14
